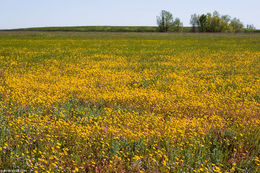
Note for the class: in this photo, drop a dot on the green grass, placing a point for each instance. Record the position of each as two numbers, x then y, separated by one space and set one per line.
95 29
107 29
69 35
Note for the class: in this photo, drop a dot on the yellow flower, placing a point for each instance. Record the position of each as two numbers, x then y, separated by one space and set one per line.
136 157
76 170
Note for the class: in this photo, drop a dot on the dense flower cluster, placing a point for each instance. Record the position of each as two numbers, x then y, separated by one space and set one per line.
135 105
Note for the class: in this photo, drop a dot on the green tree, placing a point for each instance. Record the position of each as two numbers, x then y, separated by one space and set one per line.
216 23
225 23
202 23
194 21
177 25
236 24
165 21
226 18
250 28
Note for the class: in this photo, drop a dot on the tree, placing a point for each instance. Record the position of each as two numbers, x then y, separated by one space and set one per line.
177 25
250 28
164 21
194 20
225 23
226 18
236 25
202 23
216 23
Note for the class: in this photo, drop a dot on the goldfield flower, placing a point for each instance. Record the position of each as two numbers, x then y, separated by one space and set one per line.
130 105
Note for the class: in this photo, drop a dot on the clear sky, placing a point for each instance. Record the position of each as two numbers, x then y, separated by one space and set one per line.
38 13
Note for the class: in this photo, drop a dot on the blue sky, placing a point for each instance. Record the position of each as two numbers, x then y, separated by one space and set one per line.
37 13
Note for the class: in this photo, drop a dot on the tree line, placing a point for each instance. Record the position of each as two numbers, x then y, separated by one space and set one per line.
214 22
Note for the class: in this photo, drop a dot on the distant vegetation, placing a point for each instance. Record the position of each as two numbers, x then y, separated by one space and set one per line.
166 22
100 29
214 22
96 29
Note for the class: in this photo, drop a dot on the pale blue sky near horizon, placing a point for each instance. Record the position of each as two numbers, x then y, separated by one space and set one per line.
42 13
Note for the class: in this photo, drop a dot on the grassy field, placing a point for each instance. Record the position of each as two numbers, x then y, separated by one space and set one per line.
108 29
95 29
129 102
100 29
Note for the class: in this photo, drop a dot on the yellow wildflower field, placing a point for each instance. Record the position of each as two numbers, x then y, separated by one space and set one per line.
129 102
